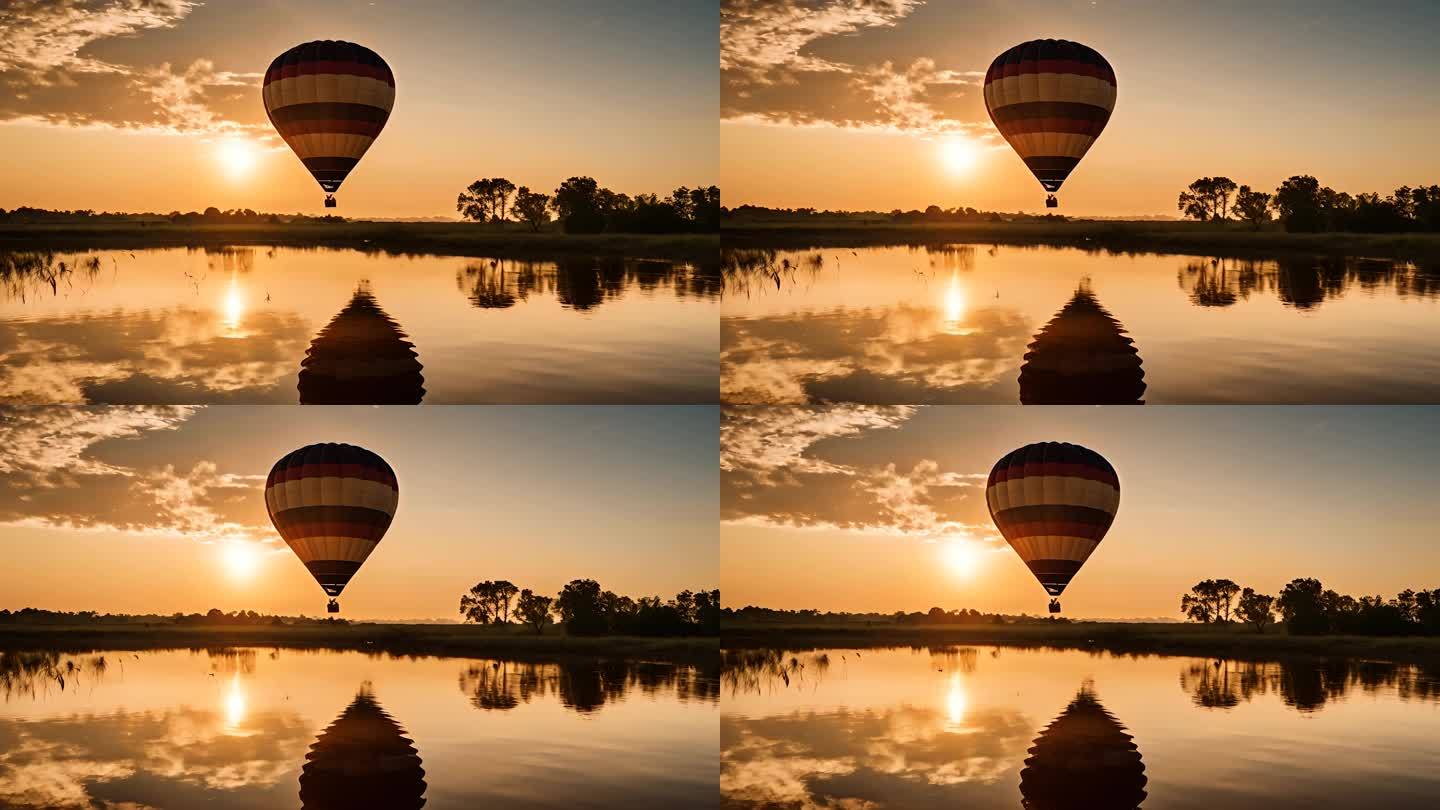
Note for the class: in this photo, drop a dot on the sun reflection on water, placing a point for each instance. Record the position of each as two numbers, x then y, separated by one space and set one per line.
955 704
233 307
234 704
953 306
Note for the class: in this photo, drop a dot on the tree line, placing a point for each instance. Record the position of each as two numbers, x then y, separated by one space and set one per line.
584 609
25 215
933 616
1304 206
931 214
1307 608
212 617
582 205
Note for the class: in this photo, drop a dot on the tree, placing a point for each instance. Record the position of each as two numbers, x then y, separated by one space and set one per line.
532 208
486 200
1301 607
1256 608
1209 601
534 609
488 602
580 608
1297 201
580 205
1252 206
1207 198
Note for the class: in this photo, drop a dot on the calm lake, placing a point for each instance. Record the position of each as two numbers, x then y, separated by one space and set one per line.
986 727
285 325
262 728
968 323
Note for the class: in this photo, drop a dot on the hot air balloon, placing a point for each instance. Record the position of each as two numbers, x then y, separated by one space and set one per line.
1083 760
332 503
1053 503
329 100
1050 98
1082 357
363 759
361 358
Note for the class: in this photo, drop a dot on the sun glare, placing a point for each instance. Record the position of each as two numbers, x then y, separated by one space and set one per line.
238 157
234 703
959 155
962 558
233 306
241 560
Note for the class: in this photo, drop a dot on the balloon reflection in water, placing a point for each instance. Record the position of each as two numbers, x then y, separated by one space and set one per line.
361 358
1082 357
362 760
1083 759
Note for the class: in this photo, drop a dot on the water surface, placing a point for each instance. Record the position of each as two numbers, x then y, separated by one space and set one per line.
323 326
1050 325
988 727
262 728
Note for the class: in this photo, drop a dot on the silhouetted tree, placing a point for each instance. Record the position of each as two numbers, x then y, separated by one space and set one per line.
1301 608
486 200
532 208
1252 206
534 609
580 608
1207 198
1256 608
578 204
1209 601
1297 201
488 602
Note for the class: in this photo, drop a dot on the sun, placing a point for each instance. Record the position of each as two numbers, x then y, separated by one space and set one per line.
959 155
238 157
962 558
241 560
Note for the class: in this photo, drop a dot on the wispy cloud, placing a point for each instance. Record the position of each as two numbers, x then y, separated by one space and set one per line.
59 470
52 76
772 74
780 469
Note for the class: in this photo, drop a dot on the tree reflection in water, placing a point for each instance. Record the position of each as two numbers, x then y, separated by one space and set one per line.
583 685
1083 759
1302 282
1303 684
580 283
362 760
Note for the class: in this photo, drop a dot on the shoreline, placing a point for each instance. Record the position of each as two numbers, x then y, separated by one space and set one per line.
442 238
1237 642
1164 237
451 640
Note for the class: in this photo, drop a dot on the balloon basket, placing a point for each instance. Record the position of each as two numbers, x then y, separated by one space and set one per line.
1054 605
1051 202
333 607
329 200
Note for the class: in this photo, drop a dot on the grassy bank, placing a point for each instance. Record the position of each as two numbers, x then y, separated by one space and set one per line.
1187 238
455 239
1167 639
402 639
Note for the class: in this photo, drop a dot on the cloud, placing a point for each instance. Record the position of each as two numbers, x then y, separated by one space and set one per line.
53 477
771 73
778 471
53 77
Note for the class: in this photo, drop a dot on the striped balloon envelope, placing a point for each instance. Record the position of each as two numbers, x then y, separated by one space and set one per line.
1053 503
332 503
1050 98
329 100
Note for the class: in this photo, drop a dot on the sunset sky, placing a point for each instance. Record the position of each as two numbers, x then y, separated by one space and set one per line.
881 509
155 105
877 104
161 509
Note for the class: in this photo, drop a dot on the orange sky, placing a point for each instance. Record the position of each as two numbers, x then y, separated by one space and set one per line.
866 508
855 105
173 497
156 106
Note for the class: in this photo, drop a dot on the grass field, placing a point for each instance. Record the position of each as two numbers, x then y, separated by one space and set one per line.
406 639
1189 238
455 239
1233 641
